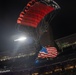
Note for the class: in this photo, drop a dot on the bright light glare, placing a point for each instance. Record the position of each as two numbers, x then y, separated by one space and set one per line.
21 39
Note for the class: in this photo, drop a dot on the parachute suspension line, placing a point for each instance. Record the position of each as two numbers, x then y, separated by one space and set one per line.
38 45
39 31
42 29
17 26
52 15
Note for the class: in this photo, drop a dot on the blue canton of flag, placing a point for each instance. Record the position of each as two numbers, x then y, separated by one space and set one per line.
42 53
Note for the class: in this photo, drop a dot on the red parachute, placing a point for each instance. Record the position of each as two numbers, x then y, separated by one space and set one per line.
34 12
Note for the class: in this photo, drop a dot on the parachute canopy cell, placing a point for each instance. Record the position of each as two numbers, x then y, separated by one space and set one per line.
33 13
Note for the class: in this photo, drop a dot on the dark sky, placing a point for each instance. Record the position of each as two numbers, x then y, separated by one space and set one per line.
62 25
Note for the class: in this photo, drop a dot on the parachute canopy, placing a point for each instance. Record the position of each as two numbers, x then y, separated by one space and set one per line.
33 13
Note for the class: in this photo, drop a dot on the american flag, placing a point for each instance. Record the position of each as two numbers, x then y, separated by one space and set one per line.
48 52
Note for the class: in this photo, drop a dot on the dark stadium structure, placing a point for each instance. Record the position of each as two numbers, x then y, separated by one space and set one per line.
67 44
58 66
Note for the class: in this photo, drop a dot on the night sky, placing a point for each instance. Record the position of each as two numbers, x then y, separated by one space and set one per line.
63 24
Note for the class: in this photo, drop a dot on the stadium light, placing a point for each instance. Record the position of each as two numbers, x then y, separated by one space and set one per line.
21 39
